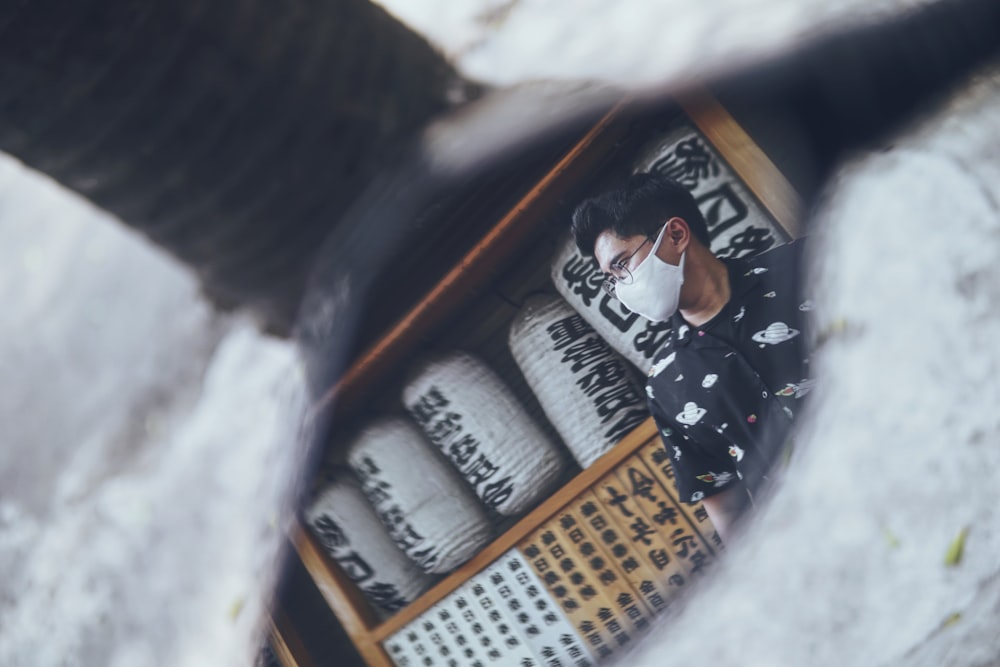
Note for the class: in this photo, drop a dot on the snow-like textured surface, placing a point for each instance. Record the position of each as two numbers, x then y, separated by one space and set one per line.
147 447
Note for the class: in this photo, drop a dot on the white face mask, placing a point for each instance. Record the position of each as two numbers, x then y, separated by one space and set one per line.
655 290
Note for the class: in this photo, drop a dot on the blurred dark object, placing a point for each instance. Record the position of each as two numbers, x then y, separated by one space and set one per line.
304 629
848 89
232 133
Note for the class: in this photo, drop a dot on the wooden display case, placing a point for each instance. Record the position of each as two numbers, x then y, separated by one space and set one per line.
509 261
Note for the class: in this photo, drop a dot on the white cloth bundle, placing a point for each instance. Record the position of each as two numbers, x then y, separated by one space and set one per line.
468 412
344 522
737 224
588 391
429 511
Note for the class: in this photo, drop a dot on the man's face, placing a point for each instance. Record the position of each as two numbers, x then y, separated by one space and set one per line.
618 256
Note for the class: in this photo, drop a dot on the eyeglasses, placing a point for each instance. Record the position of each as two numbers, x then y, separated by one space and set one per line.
620 273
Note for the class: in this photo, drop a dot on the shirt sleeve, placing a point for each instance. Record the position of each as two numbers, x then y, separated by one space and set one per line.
697 474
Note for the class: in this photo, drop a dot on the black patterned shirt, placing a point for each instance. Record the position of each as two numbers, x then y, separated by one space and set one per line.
725 394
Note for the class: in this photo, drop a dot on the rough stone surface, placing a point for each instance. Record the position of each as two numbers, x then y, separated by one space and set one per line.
148 445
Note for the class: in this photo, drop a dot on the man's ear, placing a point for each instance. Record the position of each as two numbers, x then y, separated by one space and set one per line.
678 234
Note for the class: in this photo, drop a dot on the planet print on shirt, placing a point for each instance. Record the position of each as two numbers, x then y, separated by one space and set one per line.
736 452
776 332
709 380
691 415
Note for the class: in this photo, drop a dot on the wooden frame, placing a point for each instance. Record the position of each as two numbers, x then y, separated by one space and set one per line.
752 166
746 158
286 642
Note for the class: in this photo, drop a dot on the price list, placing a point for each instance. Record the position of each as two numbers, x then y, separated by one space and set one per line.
641 558
595 540
535 614
581 587
553 556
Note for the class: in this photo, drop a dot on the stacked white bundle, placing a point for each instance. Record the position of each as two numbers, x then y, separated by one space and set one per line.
429 511
475 419
588 391
737 224
345 523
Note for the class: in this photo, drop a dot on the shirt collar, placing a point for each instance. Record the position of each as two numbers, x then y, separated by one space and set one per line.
742 280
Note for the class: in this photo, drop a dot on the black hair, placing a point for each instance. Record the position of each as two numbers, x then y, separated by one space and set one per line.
640 206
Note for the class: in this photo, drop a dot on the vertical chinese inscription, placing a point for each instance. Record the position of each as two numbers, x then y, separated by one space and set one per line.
737 225
677 523
380 493
602 553
503 642
552 557
645 562
601 375
431 410
656 459
336 543
547 630
411 647
455 626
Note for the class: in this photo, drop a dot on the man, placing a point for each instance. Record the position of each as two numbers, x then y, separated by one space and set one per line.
726 386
